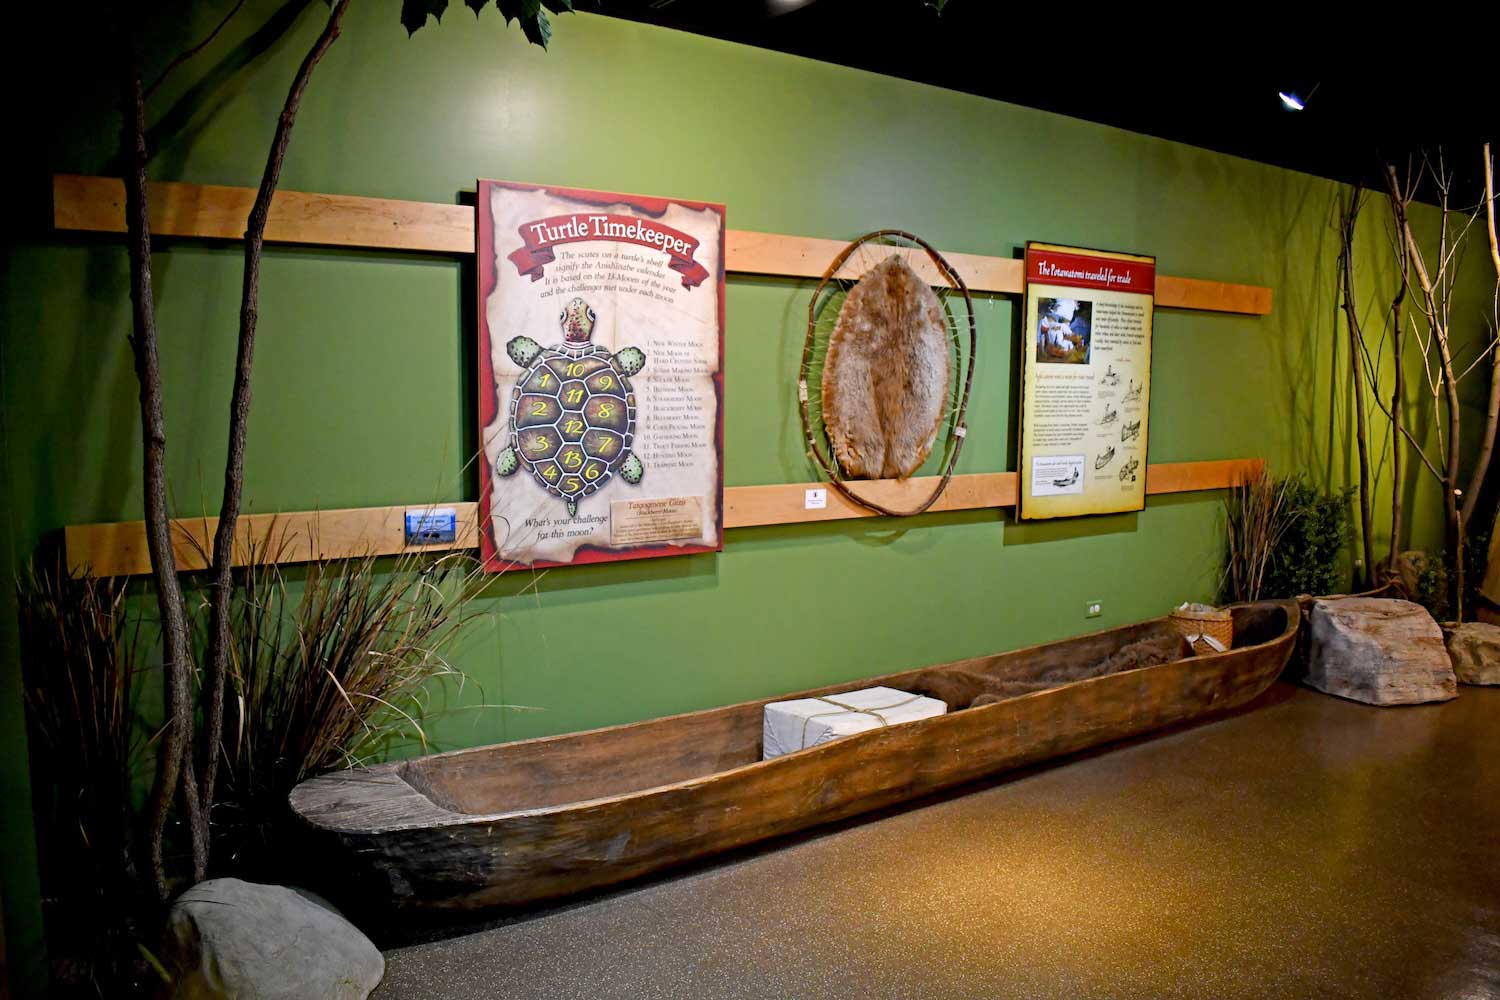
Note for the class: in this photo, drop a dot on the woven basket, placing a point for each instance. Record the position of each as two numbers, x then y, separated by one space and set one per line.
1214 622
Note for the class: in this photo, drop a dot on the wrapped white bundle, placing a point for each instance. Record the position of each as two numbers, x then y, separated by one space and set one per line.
807 722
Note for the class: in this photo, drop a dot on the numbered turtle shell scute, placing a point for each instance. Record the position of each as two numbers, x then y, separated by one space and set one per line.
572 415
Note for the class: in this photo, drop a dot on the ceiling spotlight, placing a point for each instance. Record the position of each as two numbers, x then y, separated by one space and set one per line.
1295 97
774 7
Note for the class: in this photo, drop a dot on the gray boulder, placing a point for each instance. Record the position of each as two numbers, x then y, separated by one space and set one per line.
1378 651
228 938
1474 648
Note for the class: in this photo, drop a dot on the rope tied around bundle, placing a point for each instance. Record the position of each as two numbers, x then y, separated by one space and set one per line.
843 708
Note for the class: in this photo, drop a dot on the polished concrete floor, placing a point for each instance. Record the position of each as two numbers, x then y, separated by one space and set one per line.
1307 847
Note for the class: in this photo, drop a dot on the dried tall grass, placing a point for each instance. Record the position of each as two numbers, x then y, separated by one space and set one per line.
81 668
1256 514
331 665
328 671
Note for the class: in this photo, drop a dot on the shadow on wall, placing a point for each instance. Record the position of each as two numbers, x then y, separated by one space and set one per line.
699 571
1313 363
1061 529
215 89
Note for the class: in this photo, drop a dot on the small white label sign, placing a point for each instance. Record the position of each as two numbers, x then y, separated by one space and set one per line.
816 500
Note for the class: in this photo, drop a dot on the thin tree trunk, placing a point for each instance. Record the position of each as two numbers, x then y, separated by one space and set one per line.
1449 475
216 671
1492 417
1351 216
176 741
1451 524
1398 386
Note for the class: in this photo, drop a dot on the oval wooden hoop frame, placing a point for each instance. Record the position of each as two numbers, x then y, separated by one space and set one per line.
958 431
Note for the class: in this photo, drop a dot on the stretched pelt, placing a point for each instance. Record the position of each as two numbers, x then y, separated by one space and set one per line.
886 377
959 688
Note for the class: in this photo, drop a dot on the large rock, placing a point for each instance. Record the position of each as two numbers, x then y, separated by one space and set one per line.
1474 648
1378 651
228 938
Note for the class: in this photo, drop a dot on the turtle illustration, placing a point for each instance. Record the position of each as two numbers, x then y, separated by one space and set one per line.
572 411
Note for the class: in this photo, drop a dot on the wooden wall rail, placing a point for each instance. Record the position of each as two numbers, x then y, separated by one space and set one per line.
97 204
120 549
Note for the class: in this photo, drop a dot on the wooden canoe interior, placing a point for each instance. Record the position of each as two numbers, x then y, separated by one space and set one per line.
578 767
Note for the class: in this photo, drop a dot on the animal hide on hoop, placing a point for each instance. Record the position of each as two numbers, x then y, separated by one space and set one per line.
887 373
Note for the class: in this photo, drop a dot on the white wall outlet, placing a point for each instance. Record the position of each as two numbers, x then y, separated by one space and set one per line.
1093 609
816 500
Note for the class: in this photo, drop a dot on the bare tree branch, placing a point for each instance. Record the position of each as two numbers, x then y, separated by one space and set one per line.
1492 415
1351 317
216 669
189 53
175 748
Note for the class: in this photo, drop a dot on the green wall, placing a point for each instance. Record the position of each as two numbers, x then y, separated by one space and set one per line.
365 363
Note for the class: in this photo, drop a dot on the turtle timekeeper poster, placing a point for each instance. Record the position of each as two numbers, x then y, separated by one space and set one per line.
601 396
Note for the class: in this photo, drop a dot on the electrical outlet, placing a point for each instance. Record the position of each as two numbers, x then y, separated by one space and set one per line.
1093 609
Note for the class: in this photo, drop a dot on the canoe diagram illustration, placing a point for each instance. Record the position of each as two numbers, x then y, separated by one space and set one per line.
1110 376
1104 457
1068 481
572 412
1130 431
1129 470
1133 393
1110 415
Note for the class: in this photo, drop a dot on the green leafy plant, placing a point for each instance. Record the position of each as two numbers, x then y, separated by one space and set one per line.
532 14
1284 538
1435 583
1318 529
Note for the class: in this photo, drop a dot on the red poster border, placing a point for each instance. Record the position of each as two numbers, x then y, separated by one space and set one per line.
489 404
1026 357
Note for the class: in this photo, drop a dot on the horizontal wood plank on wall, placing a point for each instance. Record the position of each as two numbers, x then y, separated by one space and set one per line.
120 549
204 211
786 503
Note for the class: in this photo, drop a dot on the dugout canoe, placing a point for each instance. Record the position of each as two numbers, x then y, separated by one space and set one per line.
518 823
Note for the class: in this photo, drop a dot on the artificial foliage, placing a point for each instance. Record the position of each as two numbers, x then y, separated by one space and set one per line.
1285 538
1309 556
531 13
1435 580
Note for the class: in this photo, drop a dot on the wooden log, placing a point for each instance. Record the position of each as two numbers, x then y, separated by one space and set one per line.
120 549
204 211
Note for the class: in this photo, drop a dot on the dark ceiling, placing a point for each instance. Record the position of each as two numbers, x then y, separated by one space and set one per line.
1385 90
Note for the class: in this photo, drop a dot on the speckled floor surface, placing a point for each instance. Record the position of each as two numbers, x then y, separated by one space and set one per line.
1311 847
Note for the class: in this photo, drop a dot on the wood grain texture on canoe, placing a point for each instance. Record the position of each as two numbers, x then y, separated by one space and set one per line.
518 823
